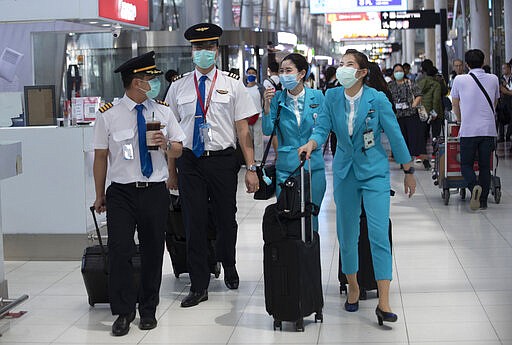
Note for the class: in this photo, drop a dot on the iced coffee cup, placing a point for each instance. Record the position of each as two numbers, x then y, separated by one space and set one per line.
151 127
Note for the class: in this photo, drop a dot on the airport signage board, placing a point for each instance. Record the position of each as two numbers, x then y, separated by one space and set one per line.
346 6
135 12
425 19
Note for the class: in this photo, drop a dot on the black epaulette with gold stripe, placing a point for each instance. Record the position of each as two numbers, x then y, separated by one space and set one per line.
161 102
232 75
178 77
106 107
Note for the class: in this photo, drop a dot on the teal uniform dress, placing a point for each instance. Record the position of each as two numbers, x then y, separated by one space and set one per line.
362 174
291 135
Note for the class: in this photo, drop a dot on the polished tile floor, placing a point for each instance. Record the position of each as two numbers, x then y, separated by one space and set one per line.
452 284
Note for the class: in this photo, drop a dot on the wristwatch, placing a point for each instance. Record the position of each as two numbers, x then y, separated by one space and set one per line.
252 167
410 171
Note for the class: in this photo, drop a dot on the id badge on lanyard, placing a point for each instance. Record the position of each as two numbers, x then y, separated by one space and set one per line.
205 129
368 136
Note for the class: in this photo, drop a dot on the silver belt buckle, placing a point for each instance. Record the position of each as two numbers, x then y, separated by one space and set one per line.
206 153
141 184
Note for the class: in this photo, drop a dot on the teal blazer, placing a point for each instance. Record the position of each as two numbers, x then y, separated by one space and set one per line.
374 112
290 136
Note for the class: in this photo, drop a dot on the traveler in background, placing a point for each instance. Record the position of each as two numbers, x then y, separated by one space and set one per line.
504 109
256 92
406 97
407 72
169 76
431 98
358 114
212 107
458 69
330 82
138 197
300 108
477 125
273 82
310 81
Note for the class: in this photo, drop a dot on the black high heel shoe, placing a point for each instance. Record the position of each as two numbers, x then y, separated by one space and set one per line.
385 316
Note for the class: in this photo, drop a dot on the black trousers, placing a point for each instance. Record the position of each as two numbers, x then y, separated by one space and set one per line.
470 147
144 209
202 180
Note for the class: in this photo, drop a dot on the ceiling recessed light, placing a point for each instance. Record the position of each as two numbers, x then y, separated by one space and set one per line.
93 22
106 25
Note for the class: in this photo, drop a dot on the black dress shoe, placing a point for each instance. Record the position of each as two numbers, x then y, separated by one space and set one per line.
122 325
194 298
483 204
147 323
231 277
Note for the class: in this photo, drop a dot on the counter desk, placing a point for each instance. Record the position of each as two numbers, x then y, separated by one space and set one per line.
45 210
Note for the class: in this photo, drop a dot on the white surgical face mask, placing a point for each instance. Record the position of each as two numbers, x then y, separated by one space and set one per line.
346 76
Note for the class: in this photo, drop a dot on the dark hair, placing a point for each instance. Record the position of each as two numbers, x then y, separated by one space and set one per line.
329 73
405 65
299 61
474 58
376 80
487 69
427 66
399 65
127 79
361 59
251 69
273 67
170 74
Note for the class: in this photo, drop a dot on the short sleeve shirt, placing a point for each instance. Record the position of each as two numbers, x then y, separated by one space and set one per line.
116 130
230 102
477 117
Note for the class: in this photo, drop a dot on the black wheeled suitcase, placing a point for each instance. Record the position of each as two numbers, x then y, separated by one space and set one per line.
95 269
366 273
291 263
176 242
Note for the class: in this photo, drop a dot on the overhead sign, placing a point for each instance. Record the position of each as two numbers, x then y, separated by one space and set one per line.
425 19
134 12
346 6
356 26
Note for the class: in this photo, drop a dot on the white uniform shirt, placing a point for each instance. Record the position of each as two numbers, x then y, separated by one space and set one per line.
230 102
255 94
353 105
117 126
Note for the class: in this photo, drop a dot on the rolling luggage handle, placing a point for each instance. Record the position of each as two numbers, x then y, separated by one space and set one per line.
102 248
303 198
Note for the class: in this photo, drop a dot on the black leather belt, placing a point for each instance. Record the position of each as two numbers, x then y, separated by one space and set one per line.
206 153
140 184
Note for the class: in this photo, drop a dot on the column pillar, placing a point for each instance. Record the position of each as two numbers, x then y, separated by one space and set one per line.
247 20
479 16
430 42
439 4
283 15
507 9
193 13
225 14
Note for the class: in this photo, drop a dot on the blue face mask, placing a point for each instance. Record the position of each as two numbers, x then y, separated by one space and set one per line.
204 58
251 78
155 88
399 75
289 81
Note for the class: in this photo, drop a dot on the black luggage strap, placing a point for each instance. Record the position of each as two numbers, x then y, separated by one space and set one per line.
267 149
102 248
483 91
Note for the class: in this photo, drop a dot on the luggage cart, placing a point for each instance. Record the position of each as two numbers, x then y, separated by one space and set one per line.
447 173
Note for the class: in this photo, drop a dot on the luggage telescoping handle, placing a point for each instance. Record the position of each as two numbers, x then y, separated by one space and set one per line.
102 248
303 198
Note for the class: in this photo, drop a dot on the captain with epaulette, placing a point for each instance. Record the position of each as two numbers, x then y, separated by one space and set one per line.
138 196
211 107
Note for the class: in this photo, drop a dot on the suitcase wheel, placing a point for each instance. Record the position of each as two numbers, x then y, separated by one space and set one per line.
91 302
497 195
278 324
299 325
362 294
343 289
319 317
177 275
463 193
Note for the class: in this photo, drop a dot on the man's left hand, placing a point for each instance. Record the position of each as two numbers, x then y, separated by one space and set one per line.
251 181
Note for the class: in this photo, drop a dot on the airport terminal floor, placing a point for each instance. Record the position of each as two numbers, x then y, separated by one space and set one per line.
452 283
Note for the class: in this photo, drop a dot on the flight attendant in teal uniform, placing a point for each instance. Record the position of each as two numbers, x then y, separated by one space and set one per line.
358 114
300 107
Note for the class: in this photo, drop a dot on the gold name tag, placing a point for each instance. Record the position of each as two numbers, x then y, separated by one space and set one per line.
222 92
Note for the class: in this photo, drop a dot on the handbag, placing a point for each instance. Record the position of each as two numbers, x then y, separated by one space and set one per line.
422 113
267 174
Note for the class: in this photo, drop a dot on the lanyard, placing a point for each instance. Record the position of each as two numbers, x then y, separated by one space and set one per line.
205 110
